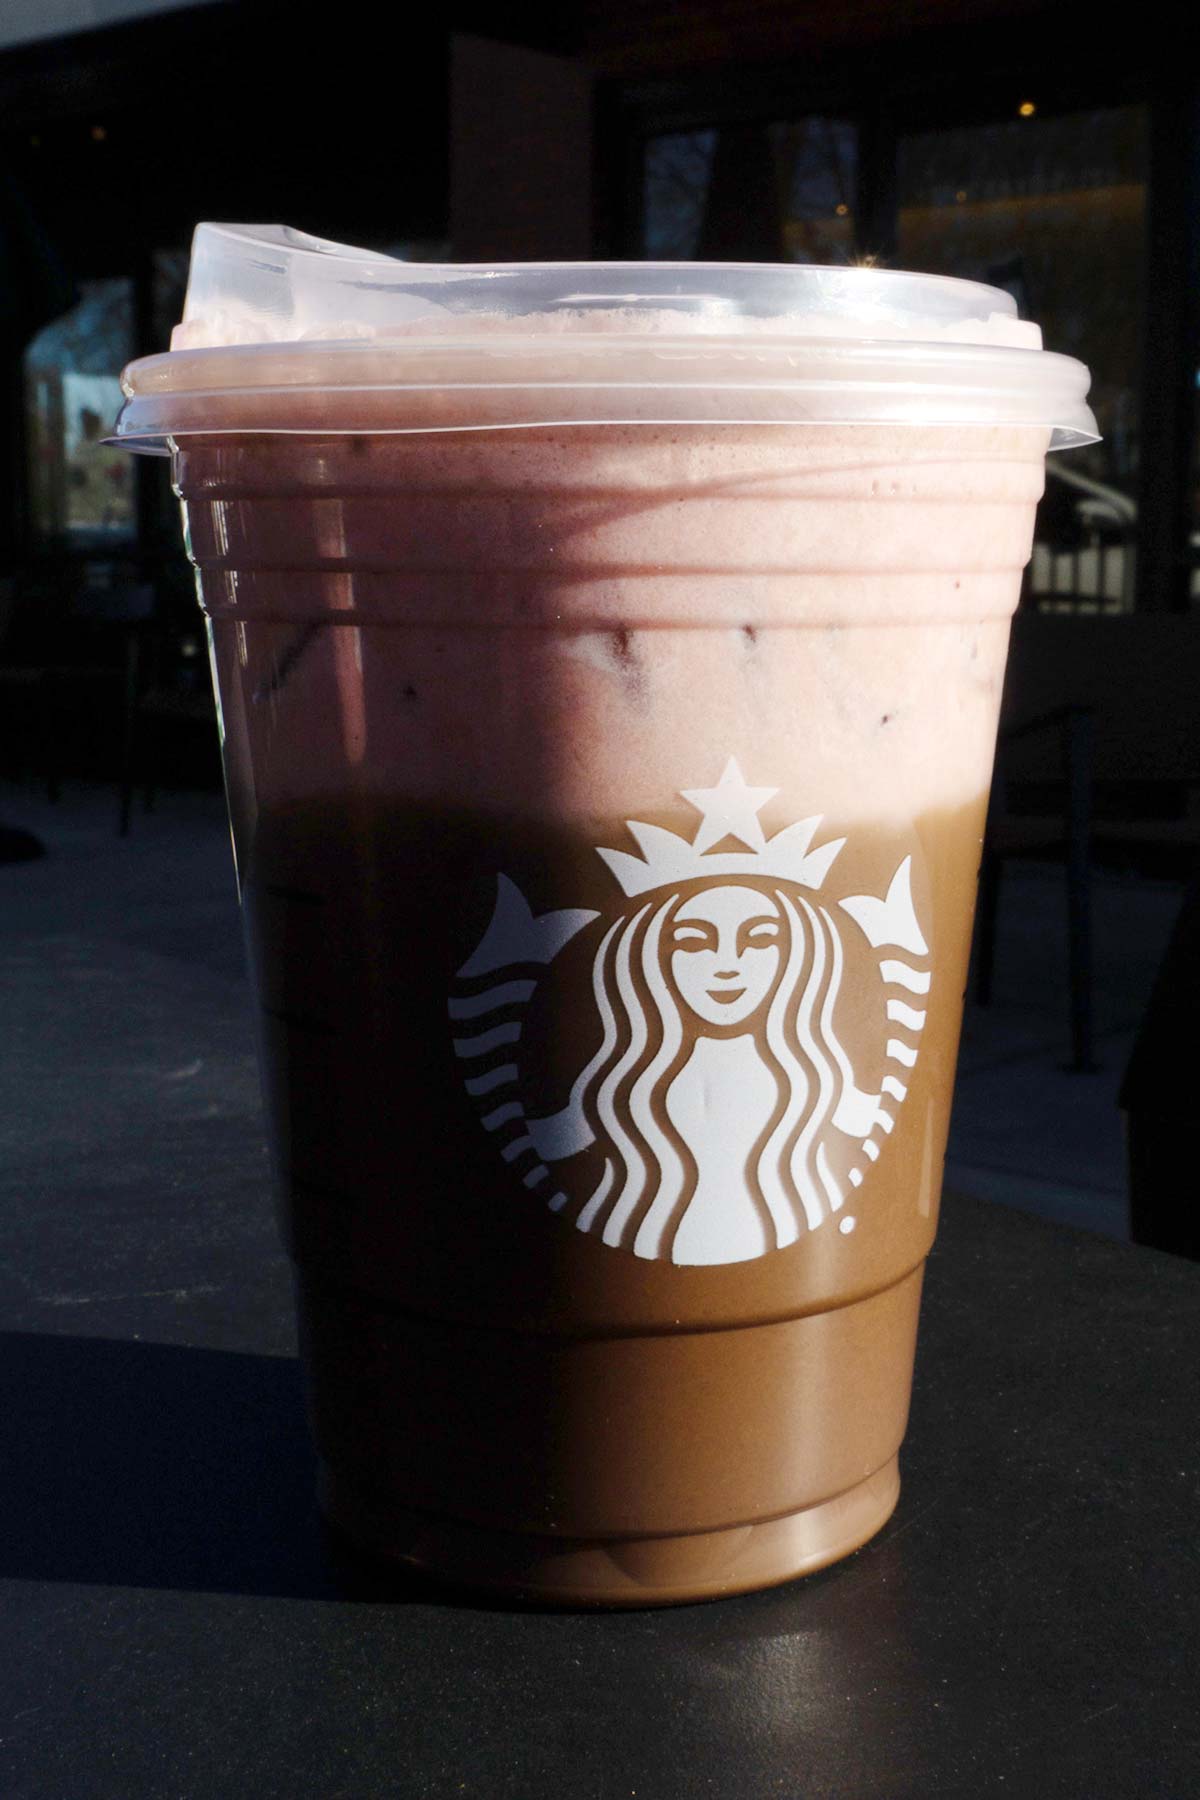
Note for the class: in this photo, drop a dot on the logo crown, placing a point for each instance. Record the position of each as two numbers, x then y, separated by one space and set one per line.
730 809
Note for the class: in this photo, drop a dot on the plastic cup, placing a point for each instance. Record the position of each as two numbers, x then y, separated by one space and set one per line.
608 685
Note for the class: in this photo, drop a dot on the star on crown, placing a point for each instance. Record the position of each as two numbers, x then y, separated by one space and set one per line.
729 810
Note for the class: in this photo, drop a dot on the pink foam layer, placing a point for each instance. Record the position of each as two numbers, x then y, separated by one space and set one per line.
590 622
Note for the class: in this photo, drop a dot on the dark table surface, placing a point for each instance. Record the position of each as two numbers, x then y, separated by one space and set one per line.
177 1624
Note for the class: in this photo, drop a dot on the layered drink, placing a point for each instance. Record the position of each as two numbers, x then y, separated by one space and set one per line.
608 693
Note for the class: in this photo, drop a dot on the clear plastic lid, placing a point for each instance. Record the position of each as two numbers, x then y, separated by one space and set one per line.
283 332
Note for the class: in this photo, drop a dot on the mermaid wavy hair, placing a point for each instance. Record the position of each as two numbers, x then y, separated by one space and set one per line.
650 1174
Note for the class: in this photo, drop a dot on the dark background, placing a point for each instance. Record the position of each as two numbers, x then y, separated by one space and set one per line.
1047 149
1026 1625
701 128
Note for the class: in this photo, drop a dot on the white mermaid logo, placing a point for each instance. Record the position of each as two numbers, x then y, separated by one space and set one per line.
719 1117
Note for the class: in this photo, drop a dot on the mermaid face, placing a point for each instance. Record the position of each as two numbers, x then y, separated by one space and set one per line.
724 953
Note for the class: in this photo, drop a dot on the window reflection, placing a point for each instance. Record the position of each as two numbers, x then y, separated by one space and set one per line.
1053 210
677 172
817 161
781 191
80 492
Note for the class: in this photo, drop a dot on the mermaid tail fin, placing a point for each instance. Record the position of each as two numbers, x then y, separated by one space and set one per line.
514 935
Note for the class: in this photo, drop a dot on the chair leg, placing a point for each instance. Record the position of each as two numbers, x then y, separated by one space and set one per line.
149 730
129 733
150 780
1079 889
52 747
1079 952
125 808
1162 1215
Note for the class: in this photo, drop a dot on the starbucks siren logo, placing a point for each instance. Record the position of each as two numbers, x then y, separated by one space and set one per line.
718 1117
